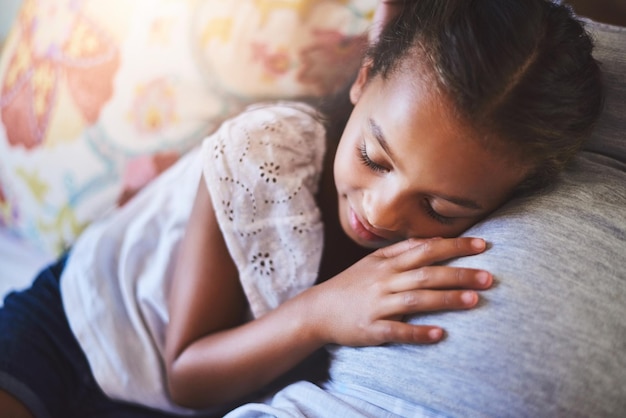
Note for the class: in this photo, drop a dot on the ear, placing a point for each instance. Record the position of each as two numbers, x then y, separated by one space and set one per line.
361 80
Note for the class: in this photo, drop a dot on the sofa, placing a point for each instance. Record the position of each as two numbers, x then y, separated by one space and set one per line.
548 340
97 98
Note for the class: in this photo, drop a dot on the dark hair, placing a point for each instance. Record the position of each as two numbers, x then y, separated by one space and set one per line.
518 71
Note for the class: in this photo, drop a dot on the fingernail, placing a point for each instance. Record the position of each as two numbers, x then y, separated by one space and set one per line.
482 277
435 333
478 244
469 298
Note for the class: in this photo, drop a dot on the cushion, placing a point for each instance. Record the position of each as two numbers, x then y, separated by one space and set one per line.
609 138
95 96
549 339
9 10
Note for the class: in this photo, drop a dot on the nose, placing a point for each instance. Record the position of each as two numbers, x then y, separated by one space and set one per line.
383 210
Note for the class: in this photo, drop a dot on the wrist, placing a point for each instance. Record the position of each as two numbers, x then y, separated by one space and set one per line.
308 316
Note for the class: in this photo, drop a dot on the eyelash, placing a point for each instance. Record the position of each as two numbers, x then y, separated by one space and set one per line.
436 216
365 159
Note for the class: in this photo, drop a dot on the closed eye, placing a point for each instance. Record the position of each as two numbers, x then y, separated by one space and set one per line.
445 220
367 161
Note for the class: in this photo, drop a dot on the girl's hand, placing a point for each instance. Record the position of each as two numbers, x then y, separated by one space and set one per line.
364 304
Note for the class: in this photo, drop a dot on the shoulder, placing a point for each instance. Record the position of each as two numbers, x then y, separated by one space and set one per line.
271 151
291 112
262 170
267 137
290 124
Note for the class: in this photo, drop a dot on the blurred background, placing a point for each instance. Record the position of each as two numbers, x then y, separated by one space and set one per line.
607 11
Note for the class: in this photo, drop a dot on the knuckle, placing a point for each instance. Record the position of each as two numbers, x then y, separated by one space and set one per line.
363 326
411 299
414 242
421 276
427 248
386 332
378 287
383 264
460 277
384 252
389 264
417 334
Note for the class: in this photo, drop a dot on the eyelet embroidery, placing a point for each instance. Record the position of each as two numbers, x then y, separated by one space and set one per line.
263 263
261 179
218 150
228 210
269 171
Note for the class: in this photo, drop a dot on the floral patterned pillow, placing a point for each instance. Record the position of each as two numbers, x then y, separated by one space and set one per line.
96 98
9 8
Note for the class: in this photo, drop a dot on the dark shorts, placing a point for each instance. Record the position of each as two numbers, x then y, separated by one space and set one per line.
41 362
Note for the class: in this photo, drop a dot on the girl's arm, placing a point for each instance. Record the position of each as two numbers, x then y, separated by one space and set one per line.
213 356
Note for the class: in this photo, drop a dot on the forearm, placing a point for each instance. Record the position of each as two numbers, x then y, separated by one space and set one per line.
358 307
229 364
211 354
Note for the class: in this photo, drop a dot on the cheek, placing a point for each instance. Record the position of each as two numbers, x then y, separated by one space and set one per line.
344 169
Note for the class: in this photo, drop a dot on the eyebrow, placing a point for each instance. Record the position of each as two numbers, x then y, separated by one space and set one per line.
380 137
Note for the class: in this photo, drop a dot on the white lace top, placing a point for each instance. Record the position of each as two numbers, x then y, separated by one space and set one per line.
262 170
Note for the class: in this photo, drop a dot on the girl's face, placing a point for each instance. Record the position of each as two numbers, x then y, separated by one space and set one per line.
406 167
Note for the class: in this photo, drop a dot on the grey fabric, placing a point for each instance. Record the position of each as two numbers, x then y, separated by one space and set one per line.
550 338
610 51
305 400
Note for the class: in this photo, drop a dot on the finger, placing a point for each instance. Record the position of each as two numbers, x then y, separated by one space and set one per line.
438 250
440 277
420 301
387 331
399 247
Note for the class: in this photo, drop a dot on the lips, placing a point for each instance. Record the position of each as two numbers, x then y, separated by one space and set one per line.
361 230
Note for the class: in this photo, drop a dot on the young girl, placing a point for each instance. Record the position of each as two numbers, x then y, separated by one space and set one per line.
200 290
